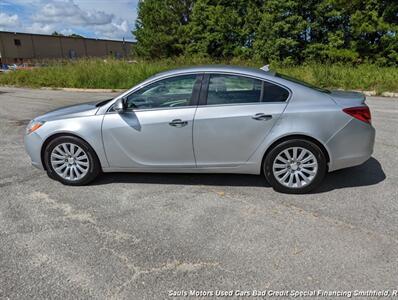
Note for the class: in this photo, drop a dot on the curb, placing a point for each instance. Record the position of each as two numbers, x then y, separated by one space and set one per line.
389 94
374 93
84 90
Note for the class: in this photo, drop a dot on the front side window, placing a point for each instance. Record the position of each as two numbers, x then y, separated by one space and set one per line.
232 89
171 92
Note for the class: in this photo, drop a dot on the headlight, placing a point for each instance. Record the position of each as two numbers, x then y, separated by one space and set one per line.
33 126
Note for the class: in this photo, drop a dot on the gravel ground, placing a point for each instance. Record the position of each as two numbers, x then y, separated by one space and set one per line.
142 236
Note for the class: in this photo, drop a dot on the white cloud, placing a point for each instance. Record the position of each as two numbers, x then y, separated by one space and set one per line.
124 9
99 19
115 30
69 12
8 20
40 28
67 31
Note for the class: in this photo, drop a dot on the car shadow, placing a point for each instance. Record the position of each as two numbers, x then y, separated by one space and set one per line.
183 179
369 173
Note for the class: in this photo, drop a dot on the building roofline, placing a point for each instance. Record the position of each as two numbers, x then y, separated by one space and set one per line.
64 36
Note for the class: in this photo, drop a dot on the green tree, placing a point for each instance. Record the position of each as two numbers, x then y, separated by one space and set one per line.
56 33
223 29
160 27
281 34
374 30
329 39
76 35
354 31
291 31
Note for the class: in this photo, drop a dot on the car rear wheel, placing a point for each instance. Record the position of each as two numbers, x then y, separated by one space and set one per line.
295 166
71 161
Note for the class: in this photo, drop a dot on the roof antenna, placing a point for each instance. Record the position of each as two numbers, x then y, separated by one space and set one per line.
265 68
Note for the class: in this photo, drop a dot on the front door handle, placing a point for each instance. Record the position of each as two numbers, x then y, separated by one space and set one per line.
178 123
261 117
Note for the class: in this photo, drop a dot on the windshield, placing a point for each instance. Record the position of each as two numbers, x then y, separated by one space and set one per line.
295 80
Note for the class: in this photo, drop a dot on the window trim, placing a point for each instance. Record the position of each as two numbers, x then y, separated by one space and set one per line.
196 89
205 90
201 97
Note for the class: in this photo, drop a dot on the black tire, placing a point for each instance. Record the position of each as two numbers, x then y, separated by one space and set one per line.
275 151
94 167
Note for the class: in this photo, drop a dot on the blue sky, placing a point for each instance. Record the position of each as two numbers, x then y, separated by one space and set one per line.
91 18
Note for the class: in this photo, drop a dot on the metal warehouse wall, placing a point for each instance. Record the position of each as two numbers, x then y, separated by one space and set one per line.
23 47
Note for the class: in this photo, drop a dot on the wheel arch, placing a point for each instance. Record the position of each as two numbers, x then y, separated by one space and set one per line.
61 134
301 137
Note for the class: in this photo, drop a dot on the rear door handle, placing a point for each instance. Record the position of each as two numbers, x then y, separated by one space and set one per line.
261 117
178 123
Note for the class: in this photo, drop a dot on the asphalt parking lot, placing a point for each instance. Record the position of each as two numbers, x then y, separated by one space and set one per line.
140 236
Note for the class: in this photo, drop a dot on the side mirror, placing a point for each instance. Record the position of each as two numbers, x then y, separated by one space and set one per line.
120 105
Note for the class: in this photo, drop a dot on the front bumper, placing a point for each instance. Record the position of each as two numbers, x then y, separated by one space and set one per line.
33 144
352 145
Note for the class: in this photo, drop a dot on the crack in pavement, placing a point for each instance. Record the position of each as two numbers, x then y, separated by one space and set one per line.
137 271
84 217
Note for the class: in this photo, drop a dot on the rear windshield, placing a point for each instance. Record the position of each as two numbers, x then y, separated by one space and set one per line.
295 80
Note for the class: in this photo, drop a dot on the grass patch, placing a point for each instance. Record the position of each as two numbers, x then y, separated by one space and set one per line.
116 74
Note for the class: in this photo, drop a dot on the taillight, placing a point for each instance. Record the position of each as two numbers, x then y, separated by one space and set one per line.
361 113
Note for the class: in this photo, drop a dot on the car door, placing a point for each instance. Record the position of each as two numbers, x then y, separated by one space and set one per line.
155 131
234 117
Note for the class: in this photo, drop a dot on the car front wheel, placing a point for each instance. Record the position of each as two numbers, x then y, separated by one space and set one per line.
71 161
295 166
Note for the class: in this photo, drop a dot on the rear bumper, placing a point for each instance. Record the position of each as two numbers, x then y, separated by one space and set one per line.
351 146
33 143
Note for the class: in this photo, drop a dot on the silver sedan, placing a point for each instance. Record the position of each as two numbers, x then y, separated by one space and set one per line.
214 119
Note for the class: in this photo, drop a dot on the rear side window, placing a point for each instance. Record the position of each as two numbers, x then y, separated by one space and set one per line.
232 89
274 93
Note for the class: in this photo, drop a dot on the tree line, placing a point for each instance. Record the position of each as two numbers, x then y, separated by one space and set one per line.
287 31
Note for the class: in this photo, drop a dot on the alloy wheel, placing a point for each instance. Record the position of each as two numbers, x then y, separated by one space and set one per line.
69 161
295 167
